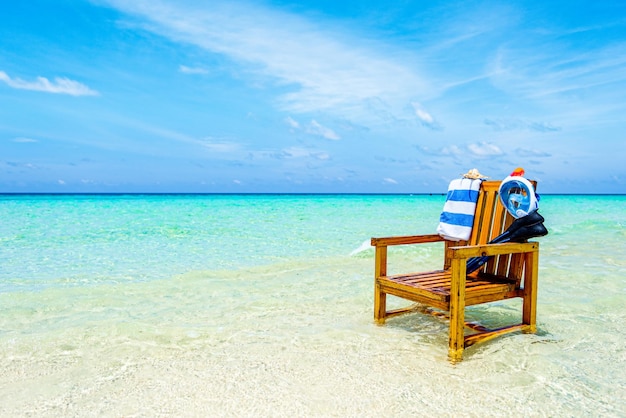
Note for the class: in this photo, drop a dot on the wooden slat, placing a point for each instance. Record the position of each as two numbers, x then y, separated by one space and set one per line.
493 249
427 298
502 264
516 267
429 286
471 299
484 336
405 240
420 292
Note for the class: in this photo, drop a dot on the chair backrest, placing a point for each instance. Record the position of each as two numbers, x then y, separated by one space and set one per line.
490 220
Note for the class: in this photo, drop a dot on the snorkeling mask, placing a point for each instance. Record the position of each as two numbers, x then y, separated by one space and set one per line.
518 195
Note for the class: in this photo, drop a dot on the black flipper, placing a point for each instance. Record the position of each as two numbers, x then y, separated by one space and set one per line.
531 231
529 226
531 219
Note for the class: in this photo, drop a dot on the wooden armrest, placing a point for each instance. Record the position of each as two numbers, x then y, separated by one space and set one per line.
403 240
493 249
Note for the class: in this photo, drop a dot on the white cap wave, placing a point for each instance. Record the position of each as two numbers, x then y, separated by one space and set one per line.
365 246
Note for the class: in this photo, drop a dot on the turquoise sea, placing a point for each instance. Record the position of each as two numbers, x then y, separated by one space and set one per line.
262 305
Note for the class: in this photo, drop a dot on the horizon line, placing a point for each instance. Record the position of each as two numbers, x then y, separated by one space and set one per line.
267 194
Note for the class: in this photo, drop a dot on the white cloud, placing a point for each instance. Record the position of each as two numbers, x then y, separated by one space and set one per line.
452 150
220 146
294 124
298 152
389 180
323 66
295 152
425 118
484 149
522 152
315 128
60 85
192 70
422 114
512 124
24 140
569 81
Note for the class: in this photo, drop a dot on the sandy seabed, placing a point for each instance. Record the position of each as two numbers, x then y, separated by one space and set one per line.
268 342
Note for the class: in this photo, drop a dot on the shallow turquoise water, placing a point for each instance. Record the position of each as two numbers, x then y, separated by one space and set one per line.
51 240
234 305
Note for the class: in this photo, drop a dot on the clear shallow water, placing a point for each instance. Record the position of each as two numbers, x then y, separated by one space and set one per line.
256 305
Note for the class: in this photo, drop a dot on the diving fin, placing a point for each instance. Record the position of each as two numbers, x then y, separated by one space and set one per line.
531 219
526 232
529 226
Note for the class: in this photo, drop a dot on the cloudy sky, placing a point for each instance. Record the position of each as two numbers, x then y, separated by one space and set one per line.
310 96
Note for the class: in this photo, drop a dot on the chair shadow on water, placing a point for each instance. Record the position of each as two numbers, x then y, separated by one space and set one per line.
429 326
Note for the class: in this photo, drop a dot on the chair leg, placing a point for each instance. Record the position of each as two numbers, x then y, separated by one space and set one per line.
380 297
380 304
456 341
531 273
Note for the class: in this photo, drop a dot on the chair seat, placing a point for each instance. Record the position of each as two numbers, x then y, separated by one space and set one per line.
433 288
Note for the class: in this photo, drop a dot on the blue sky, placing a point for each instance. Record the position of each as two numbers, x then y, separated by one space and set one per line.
310 96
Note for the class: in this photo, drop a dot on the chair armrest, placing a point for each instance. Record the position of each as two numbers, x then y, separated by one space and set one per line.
404 240
493 249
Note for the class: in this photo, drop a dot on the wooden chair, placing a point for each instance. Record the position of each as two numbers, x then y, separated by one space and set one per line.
511 273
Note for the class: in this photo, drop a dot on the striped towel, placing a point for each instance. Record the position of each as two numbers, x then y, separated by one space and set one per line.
455 223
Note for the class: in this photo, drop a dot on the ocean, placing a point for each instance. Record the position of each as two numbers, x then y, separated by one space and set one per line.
262 305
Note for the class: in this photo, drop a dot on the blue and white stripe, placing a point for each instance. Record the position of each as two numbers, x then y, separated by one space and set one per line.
455 222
